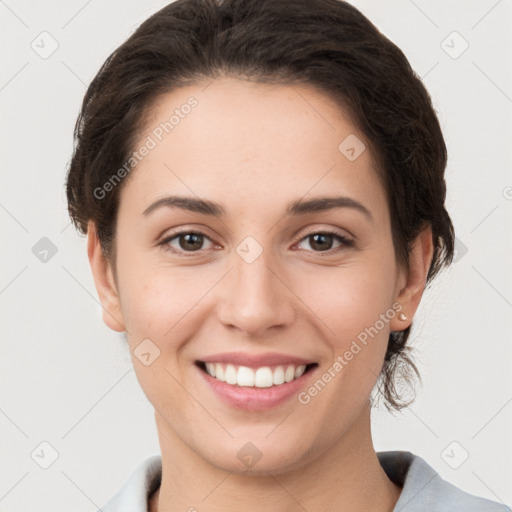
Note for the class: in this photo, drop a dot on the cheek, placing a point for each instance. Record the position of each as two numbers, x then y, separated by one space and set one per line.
350 298
158 308
354 301
163 302
152 303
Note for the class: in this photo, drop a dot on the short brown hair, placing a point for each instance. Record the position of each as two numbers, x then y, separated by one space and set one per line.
328 44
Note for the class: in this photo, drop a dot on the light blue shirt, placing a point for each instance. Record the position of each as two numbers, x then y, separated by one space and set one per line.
423 490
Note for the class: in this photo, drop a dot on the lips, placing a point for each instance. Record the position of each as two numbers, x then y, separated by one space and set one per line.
255 382
271 359
258 383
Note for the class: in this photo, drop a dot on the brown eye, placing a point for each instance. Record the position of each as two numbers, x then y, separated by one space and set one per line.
191 241
324 241
186 242
321 241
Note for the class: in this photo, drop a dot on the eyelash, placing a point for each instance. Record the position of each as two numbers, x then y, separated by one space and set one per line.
337 235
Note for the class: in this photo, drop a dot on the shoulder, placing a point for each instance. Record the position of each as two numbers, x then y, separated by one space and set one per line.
137 488
424 489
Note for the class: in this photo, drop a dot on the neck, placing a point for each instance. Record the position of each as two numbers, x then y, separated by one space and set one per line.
347 477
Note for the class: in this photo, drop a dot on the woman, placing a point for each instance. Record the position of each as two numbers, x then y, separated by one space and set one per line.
262 187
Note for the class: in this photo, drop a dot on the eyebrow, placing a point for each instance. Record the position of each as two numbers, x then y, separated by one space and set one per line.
295 208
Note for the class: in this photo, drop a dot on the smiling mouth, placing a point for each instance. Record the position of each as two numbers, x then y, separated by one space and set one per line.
262 377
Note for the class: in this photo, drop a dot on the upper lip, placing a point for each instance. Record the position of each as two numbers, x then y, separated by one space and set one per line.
255 360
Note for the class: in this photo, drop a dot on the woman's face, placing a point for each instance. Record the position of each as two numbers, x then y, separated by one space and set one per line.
272 277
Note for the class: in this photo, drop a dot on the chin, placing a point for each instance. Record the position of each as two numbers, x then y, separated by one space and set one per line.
258 457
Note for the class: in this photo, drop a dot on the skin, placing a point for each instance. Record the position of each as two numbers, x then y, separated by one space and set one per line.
254 148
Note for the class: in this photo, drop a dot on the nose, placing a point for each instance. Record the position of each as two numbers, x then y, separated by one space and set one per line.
255 297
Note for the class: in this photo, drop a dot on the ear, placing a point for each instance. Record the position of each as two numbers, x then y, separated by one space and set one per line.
104 281
413 280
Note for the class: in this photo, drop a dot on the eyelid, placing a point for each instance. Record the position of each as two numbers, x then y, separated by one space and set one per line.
343 233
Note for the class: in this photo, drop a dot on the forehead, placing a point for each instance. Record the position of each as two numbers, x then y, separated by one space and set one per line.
235 141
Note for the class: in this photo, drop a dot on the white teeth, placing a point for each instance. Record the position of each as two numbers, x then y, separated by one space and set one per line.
211 369
231 374
278 377
300 370
289 374
245 376
263 377
219 372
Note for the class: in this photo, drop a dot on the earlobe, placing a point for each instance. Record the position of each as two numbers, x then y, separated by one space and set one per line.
104 281
410 294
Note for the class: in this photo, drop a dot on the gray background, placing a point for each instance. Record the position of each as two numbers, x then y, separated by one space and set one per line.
68 381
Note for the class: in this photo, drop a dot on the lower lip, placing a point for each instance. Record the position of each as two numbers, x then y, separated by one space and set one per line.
253 398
